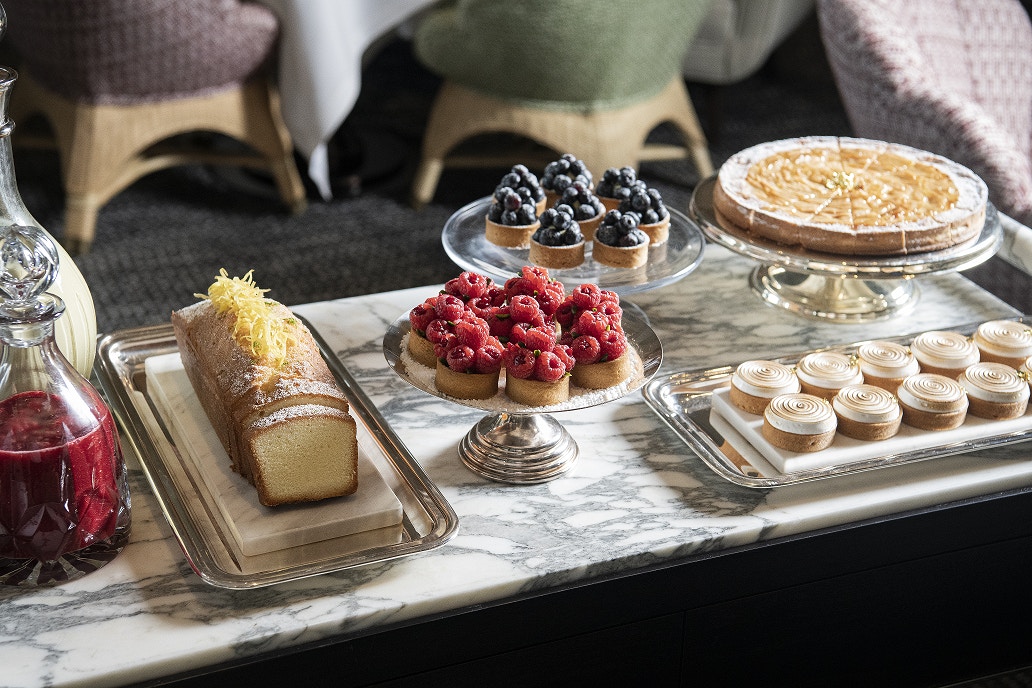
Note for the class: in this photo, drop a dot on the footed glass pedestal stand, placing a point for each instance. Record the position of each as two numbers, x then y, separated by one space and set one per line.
519 444
838 288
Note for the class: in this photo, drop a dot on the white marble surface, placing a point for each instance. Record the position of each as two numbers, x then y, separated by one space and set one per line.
638 495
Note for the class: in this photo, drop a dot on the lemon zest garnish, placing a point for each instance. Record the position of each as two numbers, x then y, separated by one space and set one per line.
255 326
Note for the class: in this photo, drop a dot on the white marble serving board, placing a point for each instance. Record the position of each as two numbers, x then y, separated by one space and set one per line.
258 529
844 449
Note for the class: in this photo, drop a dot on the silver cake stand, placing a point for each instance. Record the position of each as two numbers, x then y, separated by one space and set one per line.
465 242
518 444
838 288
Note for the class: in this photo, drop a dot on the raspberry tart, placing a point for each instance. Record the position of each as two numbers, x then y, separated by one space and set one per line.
596 338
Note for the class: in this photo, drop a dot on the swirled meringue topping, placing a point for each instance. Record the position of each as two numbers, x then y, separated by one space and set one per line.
801 414
932 393
1005 338
886 359
829 369
995 383
866 404
944 349
765 379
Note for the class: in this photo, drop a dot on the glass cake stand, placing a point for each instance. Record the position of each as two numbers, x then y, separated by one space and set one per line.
465 243
838 288
520 444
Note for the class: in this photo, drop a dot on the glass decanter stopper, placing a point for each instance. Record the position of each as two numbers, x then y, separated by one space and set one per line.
64 497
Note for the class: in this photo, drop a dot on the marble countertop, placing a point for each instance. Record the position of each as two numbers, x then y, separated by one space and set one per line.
637 496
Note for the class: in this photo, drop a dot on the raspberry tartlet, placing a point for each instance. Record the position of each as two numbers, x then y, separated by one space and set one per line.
594 334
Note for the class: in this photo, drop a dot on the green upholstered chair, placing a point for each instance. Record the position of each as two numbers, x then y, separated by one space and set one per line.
576 76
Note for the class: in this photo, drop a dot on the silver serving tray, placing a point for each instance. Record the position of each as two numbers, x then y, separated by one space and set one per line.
428 519
683 401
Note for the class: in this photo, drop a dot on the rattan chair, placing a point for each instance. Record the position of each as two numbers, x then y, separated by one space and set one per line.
571 76
120 82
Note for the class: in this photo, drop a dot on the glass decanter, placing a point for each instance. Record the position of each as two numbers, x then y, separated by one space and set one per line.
64 497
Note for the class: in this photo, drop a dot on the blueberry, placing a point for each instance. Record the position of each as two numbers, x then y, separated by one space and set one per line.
509 218
607 234
629 221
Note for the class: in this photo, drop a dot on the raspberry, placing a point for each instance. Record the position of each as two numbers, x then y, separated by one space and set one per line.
519 362
488 358
518 334
524 309
549 367
586 296
586 349
592 323
539 338
538 276
611 310
481 306
460 358
566 314
500 323
422 315
438 331
550 299
472 284
613 344
472 333
449 307
565 354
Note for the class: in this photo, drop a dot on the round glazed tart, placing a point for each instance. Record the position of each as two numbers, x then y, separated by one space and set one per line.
824 373
755 383
945 353
995 390
1004 341
850 195
886 364
867 412
932 402
799 422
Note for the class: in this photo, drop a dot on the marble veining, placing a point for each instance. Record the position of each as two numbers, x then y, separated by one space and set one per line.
637 497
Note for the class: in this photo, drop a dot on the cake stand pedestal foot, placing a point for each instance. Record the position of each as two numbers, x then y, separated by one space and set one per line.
845 298
519 449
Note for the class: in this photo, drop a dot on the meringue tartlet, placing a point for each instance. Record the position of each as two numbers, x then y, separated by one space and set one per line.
755 383
944 352
932 402
886 364
867 412
1004 341
824 373
799 422
995 390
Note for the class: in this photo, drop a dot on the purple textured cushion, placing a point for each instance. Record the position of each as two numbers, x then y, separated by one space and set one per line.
950 76
114 51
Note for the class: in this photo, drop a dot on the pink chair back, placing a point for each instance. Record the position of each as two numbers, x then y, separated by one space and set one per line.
950 76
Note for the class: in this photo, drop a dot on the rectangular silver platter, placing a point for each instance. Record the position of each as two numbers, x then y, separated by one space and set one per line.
682 400
428 519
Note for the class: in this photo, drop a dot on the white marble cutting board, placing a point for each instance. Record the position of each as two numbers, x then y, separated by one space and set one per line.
259 529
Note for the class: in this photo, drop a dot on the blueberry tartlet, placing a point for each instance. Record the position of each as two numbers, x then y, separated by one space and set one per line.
619 243
511 218
655 218
616 185
558 242
526 184
588 210
560 173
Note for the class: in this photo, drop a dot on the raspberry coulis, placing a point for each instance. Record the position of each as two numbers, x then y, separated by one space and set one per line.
58 489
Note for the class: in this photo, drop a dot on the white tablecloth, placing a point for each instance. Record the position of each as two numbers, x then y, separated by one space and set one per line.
322 43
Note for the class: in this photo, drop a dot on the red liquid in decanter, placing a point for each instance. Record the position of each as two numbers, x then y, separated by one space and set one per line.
58 470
